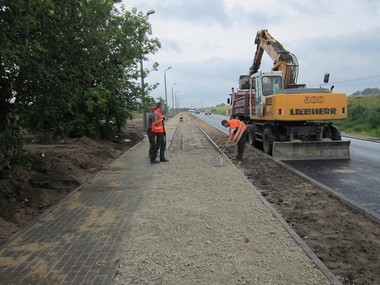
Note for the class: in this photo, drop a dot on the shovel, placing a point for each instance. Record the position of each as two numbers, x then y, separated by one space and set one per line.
219 160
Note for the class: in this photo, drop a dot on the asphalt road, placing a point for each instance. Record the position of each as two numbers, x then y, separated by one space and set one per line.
358 178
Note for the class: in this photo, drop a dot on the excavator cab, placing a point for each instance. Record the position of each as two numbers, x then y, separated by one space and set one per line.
265 84
271 84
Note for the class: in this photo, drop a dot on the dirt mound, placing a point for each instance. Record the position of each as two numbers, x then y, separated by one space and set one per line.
50 171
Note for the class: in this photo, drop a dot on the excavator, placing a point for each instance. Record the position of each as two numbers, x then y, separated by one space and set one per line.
288 120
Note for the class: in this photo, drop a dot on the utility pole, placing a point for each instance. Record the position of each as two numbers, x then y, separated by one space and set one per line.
173 96
166 93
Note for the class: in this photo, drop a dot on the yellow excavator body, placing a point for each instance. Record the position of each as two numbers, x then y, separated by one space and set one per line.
305 107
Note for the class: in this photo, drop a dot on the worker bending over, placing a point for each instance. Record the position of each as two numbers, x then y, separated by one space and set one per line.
237 134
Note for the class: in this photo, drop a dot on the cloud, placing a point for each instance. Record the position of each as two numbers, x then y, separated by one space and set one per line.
209 44
348 57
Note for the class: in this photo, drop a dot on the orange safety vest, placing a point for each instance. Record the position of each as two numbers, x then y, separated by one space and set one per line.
240 126
157 128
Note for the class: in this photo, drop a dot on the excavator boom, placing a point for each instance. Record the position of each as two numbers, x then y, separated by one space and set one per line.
283 60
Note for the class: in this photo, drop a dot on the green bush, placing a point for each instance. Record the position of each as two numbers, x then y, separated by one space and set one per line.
356 113
373 117
363 115
10 148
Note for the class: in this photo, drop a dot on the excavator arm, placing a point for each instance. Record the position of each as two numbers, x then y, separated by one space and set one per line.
283 60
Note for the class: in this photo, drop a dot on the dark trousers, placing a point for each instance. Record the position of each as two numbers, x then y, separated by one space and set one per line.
157 144
163 147
151 141
241 145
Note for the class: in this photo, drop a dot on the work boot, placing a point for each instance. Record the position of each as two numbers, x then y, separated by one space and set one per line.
164 160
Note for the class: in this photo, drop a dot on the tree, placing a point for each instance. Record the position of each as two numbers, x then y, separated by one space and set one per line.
71 67
75 65
367 91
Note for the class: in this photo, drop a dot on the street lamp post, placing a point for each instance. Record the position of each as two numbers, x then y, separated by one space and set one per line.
142 79
173 96
176 101
166 93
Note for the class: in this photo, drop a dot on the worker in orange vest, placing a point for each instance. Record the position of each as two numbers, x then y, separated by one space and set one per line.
238 134
158 131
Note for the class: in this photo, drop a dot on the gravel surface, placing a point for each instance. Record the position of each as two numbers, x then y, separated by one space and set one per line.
202 224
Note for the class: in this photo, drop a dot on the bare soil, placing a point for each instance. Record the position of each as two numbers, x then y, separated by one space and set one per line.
344 239
50 171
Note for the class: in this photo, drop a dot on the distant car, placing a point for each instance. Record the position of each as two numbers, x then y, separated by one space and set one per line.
207 112
197 112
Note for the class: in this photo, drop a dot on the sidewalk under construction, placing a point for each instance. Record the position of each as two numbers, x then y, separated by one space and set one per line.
186 213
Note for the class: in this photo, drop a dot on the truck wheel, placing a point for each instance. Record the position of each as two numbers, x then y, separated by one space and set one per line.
268 139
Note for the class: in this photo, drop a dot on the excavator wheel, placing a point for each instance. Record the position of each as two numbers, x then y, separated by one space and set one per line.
336 136
332 132
268 139
327 132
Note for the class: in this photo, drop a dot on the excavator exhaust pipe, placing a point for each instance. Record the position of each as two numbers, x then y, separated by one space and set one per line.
316 150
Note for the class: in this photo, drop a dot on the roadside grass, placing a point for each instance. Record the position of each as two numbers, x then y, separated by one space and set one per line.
220 110
363 115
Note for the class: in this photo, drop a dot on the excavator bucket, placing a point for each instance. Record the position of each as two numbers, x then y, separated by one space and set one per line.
316 150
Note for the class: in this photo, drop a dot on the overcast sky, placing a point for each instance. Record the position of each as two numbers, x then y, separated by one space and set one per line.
209 43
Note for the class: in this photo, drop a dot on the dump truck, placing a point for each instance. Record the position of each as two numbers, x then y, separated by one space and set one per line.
288 120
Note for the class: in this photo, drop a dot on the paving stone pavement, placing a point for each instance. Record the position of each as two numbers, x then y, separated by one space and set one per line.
77 241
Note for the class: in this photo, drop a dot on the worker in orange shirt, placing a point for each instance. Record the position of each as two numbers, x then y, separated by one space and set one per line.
238 134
